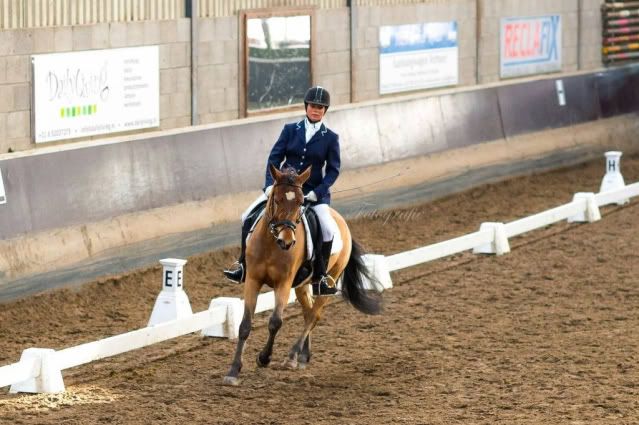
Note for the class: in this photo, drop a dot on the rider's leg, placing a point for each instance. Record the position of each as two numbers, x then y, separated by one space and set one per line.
237 271
321 284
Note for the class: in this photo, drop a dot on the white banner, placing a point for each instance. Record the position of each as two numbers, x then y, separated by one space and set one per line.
530 45
80 94
418 56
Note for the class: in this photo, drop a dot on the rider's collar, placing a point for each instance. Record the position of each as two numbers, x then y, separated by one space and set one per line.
314 125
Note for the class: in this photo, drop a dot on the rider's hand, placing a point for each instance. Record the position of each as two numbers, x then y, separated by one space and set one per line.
268 189
311 196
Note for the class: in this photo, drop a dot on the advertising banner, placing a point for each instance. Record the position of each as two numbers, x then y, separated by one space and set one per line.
80 94
418 56
530 45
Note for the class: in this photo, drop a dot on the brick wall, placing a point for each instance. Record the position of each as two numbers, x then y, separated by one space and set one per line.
370 19
590 43
492 11
16 46
332 58
218 69
219 79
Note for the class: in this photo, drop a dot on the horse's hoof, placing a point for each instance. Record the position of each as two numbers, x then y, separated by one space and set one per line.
303 358
231 380
262 362
302 365
290 364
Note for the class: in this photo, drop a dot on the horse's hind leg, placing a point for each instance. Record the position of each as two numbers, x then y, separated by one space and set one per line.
274 325
300 353
251 289
305 355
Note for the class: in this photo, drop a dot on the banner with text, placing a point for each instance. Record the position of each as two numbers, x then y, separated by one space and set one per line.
418 56
530 45
87 93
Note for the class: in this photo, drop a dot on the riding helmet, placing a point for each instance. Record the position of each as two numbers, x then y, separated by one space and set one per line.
317 95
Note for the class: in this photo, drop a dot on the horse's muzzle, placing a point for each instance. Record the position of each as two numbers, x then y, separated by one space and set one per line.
285 245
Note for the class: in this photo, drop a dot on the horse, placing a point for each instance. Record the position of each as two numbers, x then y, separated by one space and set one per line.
274 253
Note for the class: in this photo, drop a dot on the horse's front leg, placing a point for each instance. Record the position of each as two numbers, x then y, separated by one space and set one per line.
300 353
281 293
251 288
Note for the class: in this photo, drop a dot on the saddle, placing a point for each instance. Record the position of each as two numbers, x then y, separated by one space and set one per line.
312 225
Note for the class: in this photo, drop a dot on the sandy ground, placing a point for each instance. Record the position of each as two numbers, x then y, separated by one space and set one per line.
548 334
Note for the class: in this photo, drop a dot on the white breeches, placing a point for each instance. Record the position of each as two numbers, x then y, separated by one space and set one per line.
330 231
327 222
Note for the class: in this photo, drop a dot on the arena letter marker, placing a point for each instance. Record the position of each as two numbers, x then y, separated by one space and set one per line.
172 303
613 178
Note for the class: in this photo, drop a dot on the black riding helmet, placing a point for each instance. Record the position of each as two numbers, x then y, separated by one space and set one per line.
317 95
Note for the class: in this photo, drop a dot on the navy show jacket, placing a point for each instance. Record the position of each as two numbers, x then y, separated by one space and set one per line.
322 152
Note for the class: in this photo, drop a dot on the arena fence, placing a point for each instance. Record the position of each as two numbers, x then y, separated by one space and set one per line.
40 370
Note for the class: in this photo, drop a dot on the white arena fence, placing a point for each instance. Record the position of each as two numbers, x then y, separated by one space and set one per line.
40 370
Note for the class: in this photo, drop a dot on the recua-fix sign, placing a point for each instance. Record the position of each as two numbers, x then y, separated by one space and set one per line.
530 45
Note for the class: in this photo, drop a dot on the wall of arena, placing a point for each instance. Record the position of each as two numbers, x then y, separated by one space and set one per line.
72 202
78 25
68 202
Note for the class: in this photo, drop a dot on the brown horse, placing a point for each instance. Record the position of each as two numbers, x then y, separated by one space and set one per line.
275 252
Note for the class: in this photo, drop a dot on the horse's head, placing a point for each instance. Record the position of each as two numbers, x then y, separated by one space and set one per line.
284 204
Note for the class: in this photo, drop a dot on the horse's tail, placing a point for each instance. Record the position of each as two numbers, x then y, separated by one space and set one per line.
353 285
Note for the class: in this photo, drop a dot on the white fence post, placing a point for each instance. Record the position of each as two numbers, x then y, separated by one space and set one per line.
378 268
172 303
499 245
234 313
613 179
591 211
49 378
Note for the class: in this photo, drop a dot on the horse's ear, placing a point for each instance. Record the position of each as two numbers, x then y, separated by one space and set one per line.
305 175
275 173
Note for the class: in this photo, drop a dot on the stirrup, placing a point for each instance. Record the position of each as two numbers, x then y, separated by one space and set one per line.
235 273
321 288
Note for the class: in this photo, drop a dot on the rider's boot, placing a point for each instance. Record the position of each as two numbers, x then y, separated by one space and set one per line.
321 277
237 272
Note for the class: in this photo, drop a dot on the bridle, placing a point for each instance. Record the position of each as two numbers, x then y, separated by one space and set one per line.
276 226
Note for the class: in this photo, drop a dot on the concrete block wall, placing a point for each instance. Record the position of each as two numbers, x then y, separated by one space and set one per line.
492 11
370 19
331 56
16 47
77 210
590 43
218 87
219 78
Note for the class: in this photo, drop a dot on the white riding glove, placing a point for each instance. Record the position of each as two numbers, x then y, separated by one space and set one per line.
268 190
311 196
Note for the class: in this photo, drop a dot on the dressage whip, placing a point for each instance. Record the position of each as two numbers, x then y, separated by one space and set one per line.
368 184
